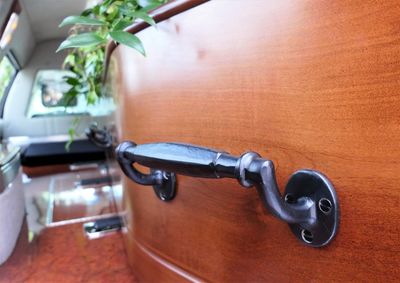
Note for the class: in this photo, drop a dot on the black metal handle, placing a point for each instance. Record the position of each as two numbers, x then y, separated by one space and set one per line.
100 137
302 210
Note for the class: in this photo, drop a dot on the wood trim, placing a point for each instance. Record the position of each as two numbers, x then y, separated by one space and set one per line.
163 263
45 170
160 14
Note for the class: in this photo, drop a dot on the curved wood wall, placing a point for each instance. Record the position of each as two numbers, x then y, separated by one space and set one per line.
308 84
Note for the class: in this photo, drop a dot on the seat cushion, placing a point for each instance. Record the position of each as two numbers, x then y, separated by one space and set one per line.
51 153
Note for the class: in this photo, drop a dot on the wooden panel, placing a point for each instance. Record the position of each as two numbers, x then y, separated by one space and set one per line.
308 84
44 170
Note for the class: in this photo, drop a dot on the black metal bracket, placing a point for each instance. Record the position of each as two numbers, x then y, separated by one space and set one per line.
100 137
310 205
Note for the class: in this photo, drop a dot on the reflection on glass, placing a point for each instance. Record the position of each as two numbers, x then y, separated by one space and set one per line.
49 99
7 73
53 96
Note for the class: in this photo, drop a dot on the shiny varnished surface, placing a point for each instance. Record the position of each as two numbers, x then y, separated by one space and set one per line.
72 202
308 84
45 253
54 200
44 170
63 254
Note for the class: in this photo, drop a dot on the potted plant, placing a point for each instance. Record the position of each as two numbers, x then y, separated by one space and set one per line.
90 32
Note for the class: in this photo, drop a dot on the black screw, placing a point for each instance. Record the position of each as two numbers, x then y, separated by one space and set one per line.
289 198
307 236
325 205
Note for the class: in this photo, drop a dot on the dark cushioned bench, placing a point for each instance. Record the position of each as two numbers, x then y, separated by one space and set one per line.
52 153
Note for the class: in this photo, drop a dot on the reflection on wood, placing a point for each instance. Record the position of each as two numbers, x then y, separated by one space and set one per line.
44 170
63 254
73 203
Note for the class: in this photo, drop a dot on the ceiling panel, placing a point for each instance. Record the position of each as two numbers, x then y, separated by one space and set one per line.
5 6
46 15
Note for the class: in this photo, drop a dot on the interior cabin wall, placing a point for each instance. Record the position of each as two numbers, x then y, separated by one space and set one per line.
23 42
16 123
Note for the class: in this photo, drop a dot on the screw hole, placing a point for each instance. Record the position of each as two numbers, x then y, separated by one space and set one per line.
289 198
325 205
307 236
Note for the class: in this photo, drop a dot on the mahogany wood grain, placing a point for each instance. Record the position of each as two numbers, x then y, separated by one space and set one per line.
45 170
308 84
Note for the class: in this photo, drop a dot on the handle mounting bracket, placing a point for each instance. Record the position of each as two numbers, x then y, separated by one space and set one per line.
309 206
315 186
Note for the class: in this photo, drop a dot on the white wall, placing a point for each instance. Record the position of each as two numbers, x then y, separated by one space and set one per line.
15 121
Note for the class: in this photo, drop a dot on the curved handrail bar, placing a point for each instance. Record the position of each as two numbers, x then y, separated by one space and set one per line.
159 14
310 205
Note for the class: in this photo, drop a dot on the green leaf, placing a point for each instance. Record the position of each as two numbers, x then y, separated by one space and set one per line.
148 3
91 98
112 12
69 98
87 12
144 16
90 69
71 134
107 3
121 24
81 40
81 20
83 88
96 10
72 81
128 39
71 92
69 60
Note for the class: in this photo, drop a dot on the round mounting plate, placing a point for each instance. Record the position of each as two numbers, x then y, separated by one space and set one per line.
166 191
312 184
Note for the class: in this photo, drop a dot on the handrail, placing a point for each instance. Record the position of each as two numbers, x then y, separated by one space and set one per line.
310 205
159 14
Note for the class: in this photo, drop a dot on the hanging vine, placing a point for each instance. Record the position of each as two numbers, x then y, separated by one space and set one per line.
90 32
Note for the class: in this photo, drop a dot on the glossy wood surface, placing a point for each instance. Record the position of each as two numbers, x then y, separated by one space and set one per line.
44 170
307 84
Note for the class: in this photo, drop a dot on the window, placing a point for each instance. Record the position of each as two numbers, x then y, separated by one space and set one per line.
7 74
8 71
48 99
